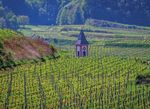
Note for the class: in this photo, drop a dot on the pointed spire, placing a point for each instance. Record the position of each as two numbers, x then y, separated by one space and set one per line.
82 39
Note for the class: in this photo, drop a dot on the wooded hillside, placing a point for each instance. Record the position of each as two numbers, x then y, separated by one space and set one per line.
77 11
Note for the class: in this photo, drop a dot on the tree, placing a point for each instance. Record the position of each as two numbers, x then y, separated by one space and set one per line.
23 20
2 22
11 20
2 11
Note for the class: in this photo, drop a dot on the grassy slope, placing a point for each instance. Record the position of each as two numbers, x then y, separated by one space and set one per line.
14 47
106 79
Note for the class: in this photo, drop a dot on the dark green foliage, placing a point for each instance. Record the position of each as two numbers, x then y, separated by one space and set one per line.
7 18
125 45
43 59
143 79
6 60
77 11
41 11
125 11
1 46
104 23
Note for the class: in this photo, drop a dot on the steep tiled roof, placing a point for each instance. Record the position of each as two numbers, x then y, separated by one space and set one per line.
82 39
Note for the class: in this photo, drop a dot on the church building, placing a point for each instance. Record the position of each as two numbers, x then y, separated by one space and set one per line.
81 45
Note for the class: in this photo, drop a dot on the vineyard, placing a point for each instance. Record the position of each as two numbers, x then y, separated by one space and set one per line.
104 80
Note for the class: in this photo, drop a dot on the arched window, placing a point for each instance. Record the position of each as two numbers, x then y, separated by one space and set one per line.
84 53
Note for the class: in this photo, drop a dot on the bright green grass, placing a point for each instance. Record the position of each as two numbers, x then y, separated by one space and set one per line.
105 79
100 82
5 33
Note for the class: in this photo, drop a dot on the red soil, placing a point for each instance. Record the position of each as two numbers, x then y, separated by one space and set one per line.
27 48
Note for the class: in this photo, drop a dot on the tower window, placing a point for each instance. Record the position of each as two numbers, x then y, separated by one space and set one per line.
84 53
78 53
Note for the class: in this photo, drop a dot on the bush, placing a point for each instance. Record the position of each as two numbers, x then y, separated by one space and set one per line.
143 79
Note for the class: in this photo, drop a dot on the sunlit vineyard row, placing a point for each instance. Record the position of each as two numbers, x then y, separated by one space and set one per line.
104 80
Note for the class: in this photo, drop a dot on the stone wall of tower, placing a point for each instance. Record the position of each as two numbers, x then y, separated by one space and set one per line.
81 50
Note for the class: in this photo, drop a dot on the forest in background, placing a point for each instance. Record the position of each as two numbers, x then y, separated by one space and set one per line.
52 12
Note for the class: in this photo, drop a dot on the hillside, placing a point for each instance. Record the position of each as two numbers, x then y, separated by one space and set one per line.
100 81
104 23
50 12
114 75
14 46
